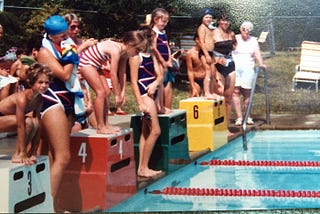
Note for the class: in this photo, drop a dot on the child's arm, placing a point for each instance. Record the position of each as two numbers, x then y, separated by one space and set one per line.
114 63
134 63
21 125
61 72
122 75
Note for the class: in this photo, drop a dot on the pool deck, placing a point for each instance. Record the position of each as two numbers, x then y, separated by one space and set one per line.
277 122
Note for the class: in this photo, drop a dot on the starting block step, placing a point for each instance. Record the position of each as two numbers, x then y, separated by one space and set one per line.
171 149
25 188
206 123
101 172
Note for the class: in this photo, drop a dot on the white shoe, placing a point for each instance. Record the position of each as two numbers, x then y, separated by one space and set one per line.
250 121
238 122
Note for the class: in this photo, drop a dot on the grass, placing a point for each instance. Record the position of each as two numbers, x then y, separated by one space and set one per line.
281 69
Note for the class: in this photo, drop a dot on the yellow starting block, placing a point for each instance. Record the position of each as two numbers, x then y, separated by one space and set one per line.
206 123
25 188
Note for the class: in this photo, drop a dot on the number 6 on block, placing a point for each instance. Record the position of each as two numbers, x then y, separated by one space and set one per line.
83 152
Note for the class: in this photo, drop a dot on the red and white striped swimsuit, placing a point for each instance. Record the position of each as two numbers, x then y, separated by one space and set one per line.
93 56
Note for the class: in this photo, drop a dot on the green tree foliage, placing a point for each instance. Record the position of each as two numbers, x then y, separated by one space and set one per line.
14 34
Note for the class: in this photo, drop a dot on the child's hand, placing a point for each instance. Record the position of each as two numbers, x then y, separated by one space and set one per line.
4 72
208 60
90 42
151 89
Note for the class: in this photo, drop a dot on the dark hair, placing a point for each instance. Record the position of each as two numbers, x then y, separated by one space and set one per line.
34 71
35 42
223 16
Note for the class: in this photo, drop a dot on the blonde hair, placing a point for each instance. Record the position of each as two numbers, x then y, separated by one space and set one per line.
69 17
158 13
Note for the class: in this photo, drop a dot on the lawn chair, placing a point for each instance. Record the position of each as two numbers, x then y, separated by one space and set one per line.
308 71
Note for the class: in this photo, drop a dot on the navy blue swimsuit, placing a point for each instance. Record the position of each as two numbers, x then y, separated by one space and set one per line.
225 48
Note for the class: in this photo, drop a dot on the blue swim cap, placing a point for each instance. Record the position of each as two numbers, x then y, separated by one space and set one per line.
55 24
207 11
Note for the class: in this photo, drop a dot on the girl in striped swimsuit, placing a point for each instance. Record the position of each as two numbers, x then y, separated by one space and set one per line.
90 65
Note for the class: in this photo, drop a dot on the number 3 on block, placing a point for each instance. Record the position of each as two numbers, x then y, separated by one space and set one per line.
83 152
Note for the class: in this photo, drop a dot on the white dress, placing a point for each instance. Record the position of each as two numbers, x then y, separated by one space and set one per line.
243 57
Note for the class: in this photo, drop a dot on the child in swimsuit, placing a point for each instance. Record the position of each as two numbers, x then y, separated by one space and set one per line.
146 77
92 60
159 20
21 112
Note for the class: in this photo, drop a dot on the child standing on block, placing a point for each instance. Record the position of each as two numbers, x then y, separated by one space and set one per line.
159 20
206 42
91 62
21 112
145 79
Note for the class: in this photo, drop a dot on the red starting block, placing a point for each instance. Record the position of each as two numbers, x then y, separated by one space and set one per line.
101 172
25 188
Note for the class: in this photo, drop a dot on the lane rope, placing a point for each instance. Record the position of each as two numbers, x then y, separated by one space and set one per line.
236 192
265 163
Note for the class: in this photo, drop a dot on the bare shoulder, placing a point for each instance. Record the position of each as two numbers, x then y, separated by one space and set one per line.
44 54
8 104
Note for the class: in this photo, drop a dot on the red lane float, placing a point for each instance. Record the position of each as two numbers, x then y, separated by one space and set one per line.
265 163
237 192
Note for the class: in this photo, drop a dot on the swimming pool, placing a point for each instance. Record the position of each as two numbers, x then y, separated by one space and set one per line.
280 170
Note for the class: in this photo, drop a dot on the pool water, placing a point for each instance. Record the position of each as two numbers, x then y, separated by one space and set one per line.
281 148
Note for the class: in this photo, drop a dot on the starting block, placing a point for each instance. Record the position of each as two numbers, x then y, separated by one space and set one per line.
25 188
171 149
206 123
101 173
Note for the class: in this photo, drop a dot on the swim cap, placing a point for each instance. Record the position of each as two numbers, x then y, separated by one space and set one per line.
55 24
207 11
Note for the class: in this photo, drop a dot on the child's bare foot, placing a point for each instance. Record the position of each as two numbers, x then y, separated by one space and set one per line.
109 130
114 128
33 158
213 96
148 173
23 160
164 110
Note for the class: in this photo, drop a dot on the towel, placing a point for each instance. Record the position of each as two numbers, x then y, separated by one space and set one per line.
69 55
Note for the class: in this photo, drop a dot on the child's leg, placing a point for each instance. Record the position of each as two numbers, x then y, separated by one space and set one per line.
168 92
92 77
151 131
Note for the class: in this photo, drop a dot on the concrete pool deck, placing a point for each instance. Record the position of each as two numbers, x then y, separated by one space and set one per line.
279 122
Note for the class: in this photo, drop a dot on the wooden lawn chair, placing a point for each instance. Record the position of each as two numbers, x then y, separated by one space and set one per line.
308 71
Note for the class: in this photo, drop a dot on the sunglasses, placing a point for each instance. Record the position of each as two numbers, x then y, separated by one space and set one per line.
73 27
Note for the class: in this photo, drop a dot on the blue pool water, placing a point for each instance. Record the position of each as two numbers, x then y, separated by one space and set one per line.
295 145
